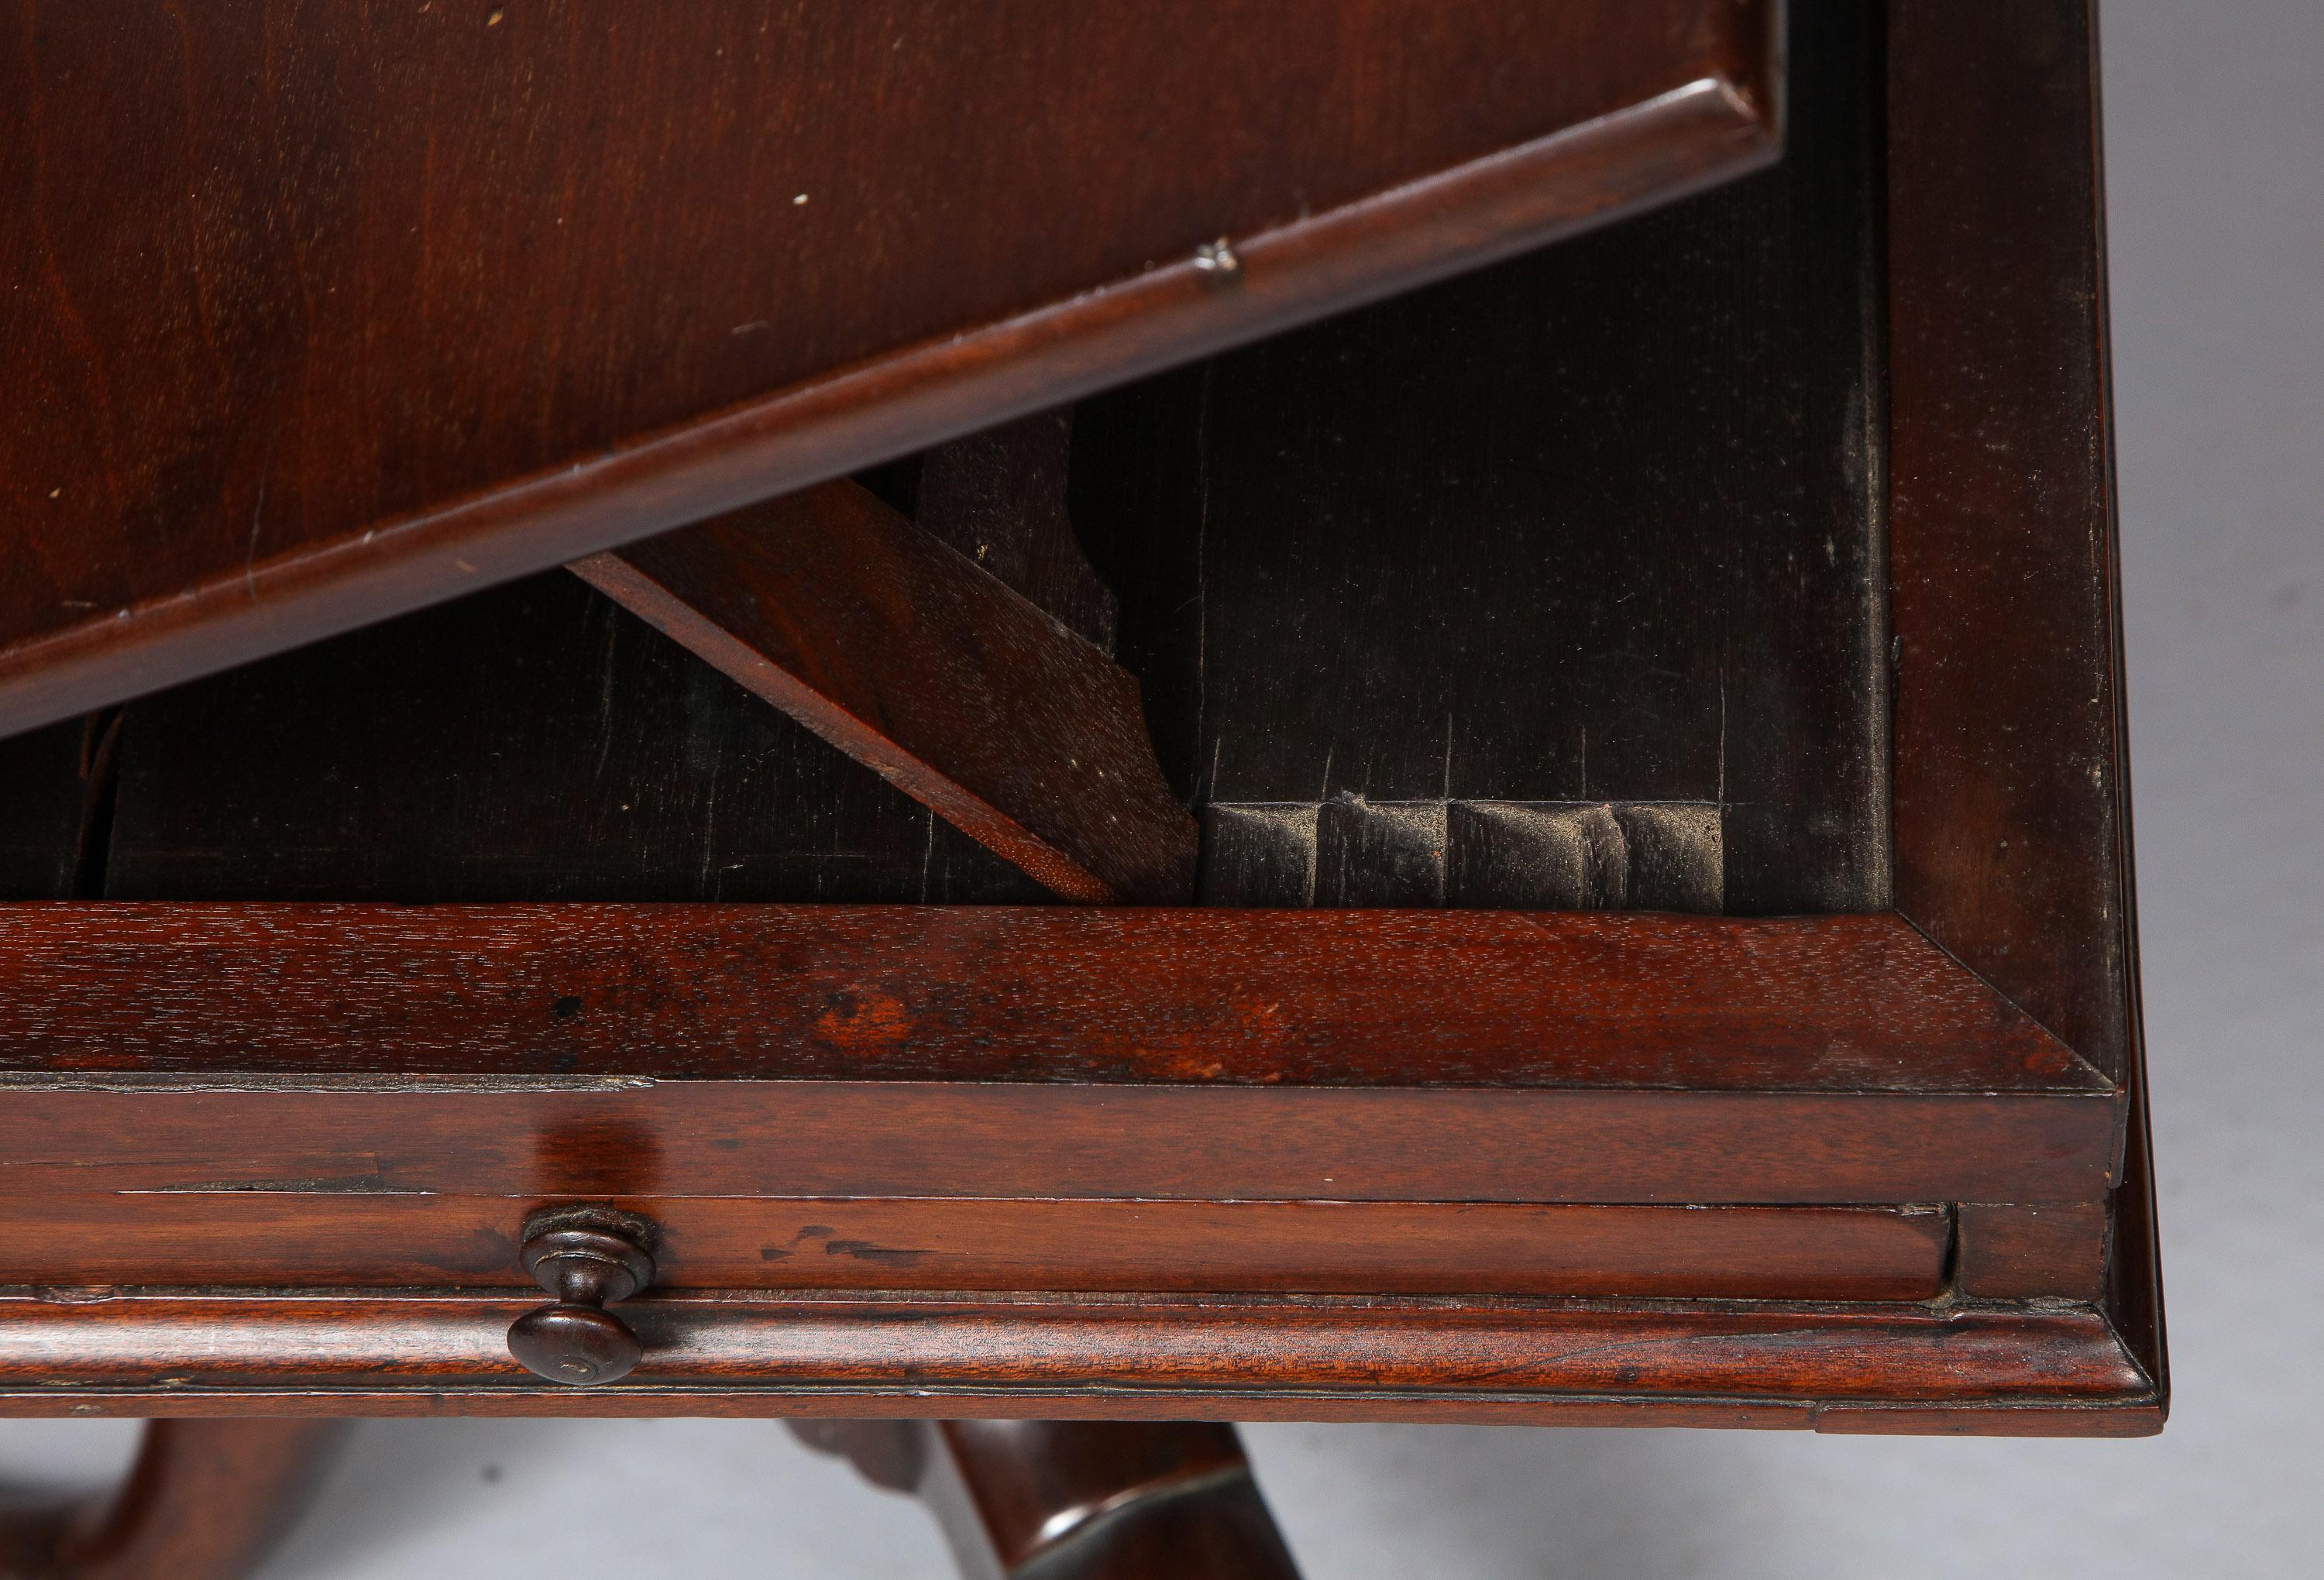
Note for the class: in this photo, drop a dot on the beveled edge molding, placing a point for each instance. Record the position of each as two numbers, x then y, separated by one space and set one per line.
2037 1367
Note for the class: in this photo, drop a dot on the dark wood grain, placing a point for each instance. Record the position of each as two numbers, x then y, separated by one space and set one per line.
1002 498
205 1500
935 674
1097 1501
1073 1500
46 786
2011 832
535 742
2009 1253
346 1237
1600 524
488 288
1275 999
1316 1360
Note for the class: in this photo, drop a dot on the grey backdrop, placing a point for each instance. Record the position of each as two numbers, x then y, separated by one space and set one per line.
2215 144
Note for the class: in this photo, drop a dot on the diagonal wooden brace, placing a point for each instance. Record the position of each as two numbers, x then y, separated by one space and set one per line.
911 660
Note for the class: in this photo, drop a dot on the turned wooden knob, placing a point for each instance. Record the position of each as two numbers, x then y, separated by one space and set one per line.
588 1257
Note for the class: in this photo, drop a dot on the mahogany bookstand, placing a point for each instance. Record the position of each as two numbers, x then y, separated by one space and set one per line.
1084 853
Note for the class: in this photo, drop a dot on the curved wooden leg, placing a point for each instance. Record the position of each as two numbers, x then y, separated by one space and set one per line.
1075 1500
205 1500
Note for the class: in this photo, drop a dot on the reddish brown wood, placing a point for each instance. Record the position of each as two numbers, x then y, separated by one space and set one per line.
2011 831
911 660
2134 1285
1200 998
473 299
1077 1500
561 1050
244 1238
1538 1062
1316 1359
555 1138
2017 1253
206 1499
1000 498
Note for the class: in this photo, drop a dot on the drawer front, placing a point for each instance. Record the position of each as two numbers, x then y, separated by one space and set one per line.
255 1239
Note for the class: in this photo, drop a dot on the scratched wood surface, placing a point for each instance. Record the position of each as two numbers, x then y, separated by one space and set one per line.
333 310
359 1235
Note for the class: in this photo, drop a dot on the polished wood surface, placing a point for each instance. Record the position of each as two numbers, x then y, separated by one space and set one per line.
486 289
352 1235
2057 1250
906 656
1074 1500
907 1051
553 1137
587 1257
2062 1369
1283 1000
205 1500
2002 541
1606 620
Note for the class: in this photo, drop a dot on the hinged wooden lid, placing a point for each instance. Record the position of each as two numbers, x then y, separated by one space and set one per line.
316 313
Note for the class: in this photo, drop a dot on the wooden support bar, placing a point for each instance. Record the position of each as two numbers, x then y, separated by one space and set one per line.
904 655
206 1499
1075 1500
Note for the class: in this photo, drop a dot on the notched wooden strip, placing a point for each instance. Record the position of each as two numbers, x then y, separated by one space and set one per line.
1259 856
1489 854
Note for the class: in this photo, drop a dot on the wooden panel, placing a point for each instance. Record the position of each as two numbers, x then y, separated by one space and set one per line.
1001 497
560 1136
276 1238
45 791
2017 1253
1837 1004
1598 523
1319 1360
903 655
2011 828
490 288
534 742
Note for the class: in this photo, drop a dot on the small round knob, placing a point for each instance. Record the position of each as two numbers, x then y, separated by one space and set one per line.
588 1257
